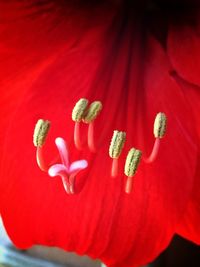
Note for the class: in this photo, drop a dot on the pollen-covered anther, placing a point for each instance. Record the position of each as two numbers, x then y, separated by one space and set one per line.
160 124
116 146
40 132
79 110
131 166
77 116
92 112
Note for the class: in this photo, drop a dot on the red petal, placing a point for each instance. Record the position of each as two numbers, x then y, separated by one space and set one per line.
189 225
116 64
183 50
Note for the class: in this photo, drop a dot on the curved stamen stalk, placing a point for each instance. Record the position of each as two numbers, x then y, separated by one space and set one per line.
39 137
91 144
154 152
77 140
159 131
77 115
89 116
115 150
40 159
131 165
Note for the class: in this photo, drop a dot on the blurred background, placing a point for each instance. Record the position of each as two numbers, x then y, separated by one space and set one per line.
180 253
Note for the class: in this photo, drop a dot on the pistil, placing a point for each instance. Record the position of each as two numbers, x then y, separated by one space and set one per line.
66 171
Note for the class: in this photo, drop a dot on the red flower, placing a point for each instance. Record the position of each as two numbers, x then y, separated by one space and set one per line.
52 54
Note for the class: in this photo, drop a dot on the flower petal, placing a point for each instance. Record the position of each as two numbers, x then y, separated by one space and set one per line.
183 50
130 74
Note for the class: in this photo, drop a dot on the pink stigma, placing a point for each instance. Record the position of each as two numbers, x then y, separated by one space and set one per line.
65 170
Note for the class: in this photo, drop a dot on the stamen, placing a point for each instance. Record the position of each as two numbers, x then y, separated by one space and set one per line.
90 115
39 137
131 165
159 131
77 115
115 150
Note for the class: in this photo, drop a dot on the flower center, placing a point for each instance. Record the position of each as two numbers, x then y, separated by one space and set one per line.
84 114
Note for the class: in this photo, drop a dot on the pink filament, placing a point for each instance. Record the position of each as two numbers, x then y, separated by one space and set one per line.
114 169
129 184
91 144
40 159
154 152
77 140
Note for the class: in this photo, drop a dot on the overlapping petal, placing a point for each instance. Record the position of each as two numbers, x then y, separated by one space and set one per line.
119 64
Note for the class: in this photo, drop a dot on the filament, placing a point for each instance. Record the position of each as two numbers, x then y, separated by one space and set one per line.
154 152
91 144
114 168
40 159
77 140
129 185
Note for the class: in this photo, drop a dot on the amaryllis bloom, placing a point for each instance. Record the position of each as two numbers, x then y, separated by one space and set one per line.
138 58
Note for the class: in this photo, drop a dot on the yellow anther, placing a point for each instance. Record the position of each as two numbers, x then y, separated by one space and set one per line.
40 132
92 112
160 125
117 144
132 162
79 110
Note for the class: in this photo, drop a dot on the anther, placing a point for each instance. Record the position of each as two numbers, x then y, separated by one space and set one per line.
89 116
160 125
115 150
131 165
40 132
39 137
77 115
